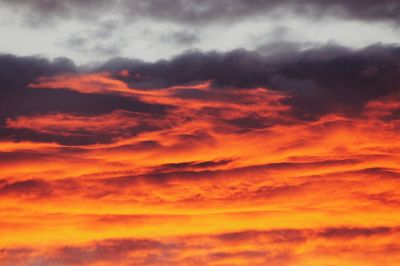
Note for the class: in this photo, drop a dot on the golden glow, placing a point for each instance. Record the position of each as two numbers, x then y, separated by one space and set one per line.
231 178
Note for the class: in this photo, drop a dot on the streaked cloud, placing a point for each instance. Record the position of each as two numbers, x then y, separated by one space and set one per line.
206 133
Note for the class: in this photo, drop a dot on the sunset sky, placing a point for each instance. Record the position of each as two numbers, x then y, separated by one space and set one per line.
200 132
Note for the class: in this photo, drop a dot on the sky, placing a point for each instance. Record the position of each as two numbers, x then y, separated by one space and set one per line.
188 132
94 31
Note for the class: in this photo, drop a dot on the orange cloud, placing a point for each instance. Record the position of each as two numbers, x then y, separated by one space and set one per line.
85 83
227 176
67 124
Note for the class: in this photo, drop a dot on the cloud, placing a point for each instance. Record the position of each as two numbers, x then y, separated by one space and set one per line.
206 12
276 247
18 99
207 158
99 41
193 165
37 188
80 130
184 38
354 232
319 80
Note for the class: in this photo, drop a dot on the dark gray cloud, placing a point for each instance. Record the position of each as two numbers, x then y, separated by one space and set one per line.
35 13
100 41
320 80
183 38
89 46
208 11
16 73
17 99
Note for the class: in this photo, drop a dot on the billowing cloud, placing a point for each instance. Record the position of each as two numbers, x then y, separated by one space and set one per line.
93 31
319 81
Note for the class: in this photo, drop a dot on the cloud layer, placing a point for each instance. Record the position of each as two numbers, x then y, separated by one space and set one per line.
90 31
194 12
236 158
